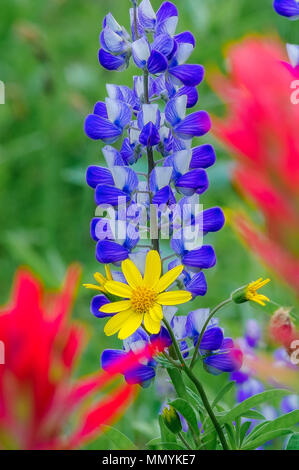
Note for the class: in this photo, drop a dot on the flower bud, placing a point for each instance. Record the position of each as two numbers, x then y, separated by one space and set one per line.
249 292
172 419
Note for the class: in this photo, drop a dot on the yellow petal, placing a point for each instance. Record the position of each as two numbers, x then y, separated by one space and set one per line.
131 273
108 273
94 286
131 325
156 312
152 268
99 278
169 278
152 326
118 288
115 307
174 298
116 322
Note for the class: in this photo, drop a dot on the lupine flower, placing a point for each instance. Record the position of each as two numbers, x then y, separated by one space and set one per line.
186 127
108 120
145 297
267 170
116 46
139 374
219 354
288 8
38 396
223 358
160 54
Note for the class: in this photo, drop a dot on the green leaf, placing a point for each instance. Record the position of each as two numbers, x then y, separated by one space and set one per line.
253 414
178 383
293 443
196 399
166 434
251 402
172 446
186 410
231 435
243 431
227 387
153 443
282 422
265 437
120 441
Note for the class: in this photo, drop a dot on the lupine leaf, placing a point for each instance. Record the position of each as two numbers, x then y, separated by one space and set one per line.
252 402
282 422
265 437
293 443
243 431
253 414
186 410
120 441
166 434
153 443
227 387
172 446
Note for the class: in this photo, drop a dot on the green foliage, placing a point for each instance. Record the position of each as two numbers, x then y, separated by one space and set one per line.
118 439
293 443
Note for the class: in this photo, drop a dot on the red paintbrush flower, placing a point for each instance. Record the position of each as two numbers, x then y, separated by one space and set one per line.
38 397
261 129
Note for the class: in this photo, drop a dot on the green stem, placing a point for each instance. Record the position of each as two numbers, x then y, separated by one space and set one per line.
184 441
198 386
151 166
218 307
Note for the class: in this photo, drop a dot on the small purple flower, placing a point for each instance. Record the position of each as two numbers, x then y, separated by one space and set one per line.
226 359
253 333
288 8
186 127
146 57
141 374
108 121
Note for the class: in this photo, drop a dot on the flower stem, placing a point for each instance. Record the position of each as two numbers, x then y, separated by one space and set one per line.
198 386
218 307
184 441
151 166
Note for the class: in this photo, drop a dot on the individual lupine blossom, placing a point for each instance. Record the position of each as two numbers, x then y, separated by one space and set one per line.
288 8
153 118
267 169
219 354
39 399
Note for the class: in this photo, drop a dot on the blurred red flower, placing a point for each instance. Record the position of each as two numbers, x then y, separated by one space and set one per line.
261 129
38 397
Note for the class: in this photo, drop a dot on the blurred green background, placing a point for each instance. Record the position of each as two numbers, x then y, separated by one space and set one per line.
49 65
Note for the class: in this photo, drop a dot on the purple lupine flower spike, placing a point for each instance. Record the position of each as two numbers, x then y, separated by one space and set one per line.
155 121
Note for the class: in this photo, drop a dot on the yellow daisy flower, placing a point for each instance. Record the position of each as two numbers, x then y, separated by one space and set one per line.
251 291
144 295
102 280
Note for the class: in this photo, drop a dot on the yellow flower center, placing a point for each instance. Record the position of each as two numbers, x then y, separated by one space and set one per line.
143 298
